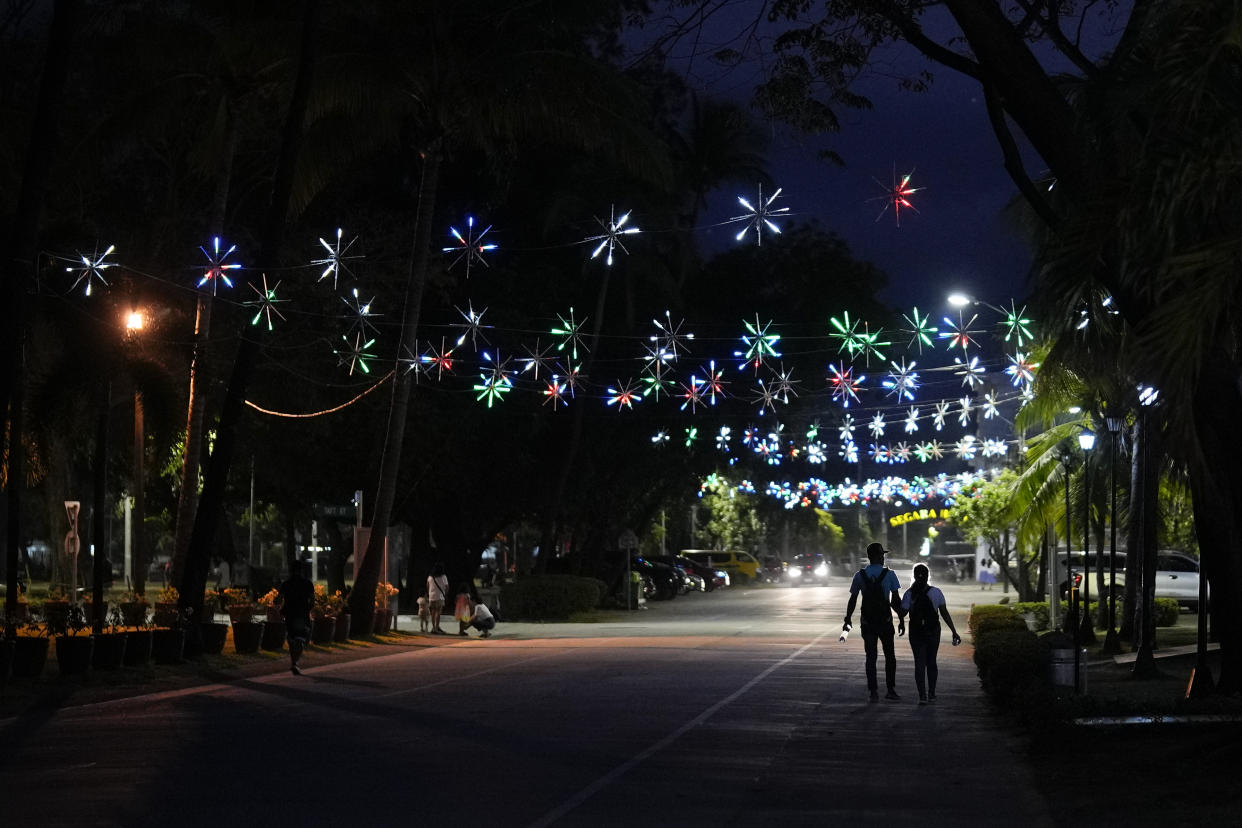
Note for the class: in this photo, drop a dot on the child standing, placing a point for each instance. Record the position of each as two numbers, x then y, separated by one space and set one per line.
424 614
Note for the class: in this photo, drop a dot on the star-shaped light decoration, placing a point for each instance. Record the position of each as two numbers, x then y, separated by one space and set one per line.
723 437
759 344
847 333
815 452
469 247
902 381
91 268
654 381
554 392
783 384
1021 370
692 394
218 266
848 451
877 426
878 452
670 340
966 407
896 195
764 396
570 331
356 353
659 439
713 382
758 217
901 453
845 386
614 229
573 378
536 358
989 406
935 449
266 303
360 314
438 360
334 261
966 447
970 371
871 343
922 451
494 383
471 327
921 331
624 395
692 435
995 448
912 419
1017 326
751 437
942 411
959 334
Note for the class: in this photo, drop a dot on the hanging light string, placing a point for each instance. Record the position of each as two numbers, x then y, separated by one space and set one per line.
325 411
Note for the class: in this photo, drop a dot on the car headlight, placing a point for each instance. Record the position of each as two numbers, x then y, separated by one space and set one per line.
821 570
795 573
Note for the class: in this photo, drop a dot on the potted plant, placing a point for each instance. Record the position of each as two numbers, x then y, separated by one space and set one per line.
110 645
384 593
274 630
166 613
214 633
247 629
75 647
134 608
323 622
30 648
56 611
139 637
340 609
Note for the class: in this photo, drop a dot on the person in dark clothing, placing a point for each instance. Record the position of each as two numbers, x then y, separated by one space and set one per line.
881 595
297 596
921 603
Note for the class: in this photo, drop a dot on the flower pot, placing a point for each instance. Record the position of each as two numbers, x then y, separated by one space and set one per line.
381 621
139 645
247 635
242 613
88 612
56 614
214 635
341 633
74 653
166 614
21 611
134 613
109 651
322 630
168 646
29 656
273 635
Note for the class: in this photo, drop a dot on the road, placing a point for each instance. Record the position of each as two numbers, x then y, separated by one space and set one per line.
735 708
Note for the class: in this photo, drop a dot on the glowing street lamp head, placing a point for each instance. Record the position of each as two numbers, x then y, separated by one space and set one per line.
134 321
959 300
1086 440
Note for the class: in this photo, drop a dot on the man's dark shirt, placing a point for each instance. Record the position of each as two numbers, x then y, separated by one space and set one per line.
298 595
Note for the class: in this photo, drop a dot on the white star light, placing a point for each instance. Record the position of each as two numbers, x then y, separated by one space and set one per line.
218 266
469 246
670 340
963 416
846 429
848 451
877 426
334 262
912 419
471 327
995 448
989 406
355 353
92 268
757 218
942 411
765 397
966 447
536 358
361 316
902 381
570 331
723 437
614 229
971 372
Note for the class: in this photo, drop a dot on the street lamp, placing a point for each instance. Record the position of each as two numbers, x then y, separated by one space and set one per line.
134 323
1086 442
1112 642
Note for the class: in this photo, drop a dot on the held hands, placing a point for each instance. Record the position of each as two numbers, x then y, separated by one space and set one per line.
957 639
901 627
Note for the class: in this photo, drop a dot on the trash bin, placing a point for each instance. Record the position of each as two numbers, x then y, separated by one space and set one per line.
1062 668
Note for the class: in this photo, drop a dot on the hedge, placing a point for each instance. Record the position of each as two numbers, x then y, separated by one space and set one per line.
1011 661
992 616
550 597
1167 612
1038 608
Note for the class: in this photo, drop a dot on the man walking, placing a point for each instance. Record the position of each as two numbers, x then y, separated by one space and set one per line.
881 594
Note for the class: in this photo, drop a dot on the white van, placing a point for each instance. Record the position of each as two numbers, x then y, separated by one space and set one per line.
1177 574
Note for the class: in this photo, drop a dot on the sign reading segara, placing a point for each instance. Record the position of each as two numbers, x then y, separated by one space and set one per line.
919 514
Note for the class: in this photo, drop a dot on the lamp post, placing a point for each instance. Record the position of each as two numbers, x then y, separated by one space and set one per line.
1112 642
1071 625
134 323
1086 441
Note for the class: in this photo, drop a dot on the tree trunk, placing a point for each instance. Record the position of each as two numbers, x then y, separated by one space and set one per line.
211 504
362 598
1127 627
17 270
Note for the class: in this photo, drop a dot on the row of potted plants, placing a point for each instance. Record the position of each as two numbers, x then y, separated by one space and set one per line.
134 635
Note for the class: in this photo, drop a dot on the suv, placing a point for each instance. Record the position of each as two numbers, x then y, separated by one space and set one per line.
1177 575
808 569
742 567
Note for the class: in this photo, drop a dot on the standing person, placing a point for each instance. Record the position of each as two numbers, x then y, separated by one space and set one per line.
297 595
881 594
921 602
986 576
437 589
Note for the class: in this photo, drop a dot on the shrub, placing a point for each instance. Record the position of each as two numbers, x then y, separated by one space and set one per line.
992 616
550 597
1010 660
1167 612
1038 608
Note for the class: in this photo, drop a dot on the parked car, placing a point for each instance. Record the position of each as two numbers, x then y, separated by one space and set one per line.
709 576
742 567
666 580
773 569
1177 575
690 581
808 569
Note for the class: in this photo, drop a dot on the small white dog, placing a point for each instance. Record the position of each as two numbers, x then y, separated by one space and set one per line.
424 614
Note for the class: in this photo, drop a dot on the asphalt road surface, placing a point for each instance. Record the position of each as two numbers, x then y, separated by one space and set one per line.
735 708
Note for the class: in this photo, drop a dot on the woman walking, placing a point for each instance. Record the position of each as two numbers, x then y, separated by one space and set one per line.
922 603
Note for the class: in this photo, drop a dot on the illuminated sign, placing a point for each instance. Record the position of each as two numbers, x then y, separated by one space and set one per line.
919 514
